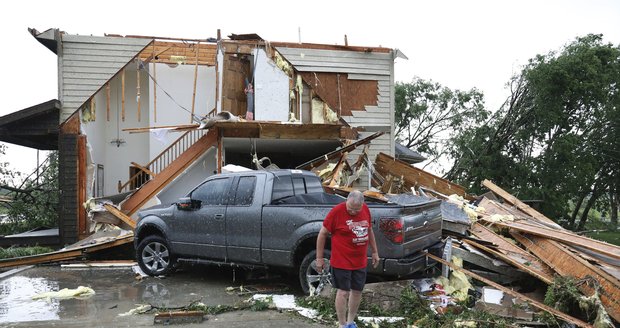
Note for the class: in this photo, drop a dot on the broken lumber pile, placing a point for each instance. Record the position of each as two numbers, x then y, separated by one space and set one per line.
503 239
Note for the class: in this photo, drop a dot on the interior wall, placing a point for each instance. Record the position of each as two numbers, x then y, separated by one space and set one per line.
271 90
100 133
179 83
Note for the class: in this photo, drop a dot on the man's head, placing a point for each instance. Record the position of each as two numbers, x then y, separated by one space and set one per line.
355 200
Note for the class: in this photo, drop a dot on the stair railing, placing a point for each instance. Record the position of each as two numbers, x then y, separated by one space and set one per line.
162 160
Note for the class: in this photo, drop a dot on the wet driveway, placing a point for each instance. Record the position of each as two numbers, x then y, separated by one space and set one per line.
118 291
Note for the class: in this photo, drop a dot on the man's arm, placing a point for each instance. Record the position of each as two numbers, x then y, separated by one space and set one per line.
320 247
373 246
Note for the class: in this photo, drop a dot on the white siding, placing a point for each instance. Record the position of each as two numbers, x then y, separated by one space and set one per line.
87 62
358 66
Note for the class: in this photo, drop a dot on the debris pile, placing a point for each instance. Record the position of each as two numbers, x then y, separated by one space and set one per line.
499 238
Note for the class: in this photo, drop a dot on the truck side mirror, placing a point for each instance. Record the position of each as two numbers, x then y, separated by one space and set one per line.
188 204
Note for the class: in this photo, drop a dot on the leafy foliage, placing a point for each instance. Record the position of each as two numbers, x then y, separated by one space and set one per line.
35 200
12 252
428 116
556 138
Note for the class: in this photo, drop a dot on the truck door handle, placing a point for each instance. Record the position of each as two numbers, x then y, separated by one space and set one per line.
219 216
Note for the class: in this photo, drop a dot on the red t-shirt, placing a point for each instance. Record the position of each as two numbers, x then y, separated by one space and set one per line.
349 237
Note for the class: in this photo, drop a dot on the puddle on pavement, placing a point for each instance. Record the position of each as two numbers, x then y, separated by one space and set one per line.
116 291
16 304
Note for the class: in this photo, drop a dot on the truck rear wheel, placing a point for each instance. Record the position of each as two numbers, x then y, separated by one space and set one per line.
154 256
312 281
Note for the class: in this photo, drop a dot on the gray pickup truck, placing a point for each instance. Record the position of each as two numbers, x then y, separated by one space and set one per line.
272 219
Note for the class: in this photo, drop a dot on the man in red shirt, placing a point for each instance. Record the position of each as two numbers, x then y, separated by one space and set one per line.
350 226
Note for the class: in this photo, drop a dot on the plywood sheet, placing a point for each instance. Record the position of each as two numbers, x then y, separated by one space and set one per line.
519 204
567 263
511 253
564 236
415 177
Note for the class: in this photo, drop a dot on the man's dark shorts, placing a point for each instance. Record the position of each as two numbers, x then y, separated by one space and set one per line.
348 279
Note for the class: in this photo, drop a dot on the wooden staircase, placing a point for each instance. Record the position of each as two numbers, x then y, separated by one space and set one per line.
182 160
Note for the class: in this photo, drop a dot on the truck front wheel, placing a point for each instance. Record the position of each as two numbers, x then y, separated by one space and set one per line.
154 256
312 281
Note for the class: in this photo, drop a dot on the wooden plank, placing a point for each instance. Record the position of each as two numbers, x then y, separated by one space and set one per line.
568 263
66 254
488 263
82 227
155 93
519 204
155 185
336 153
511 292
518 261
492 207
338 169
191 117
116 212
563 236
415 177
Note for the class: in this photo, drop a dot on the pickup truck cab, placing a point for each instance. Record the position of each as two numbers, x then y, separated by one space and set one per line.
272 219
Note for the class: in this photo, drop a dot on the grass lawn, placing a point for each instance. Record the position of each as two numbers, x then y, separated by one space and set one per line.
608 236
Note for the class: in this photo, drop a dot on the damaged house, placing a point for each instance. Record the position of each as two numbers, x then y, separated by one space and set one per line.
149 117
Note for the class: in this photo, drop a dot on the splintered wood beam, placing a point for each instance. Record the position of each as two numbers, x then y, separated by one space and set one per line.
415 177
568 263
344 191
512 253
563 236
336 153
173 127
515 260
191 118
519 204
123 94
338 169
492 207
512 293
116 212
63 255
81 163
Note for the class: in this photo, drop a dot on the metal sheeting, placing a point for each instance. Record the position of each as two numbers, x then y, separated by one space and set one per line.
88 62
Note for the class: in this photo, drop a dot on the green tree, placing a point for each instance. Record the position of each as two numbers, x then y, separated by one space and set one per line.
428 116
556 137
34 201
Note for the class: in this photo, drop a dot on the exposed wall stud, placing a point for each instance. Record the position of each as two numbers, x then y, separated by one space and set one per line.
155 92
191 118
138 91
123 95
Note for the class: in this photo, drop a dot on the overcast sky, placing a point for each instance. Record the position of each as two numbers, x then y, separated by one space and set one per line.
460 44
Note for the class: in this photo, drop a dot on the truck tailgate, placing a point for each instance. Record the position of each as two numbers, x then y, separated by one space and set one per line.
420 227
